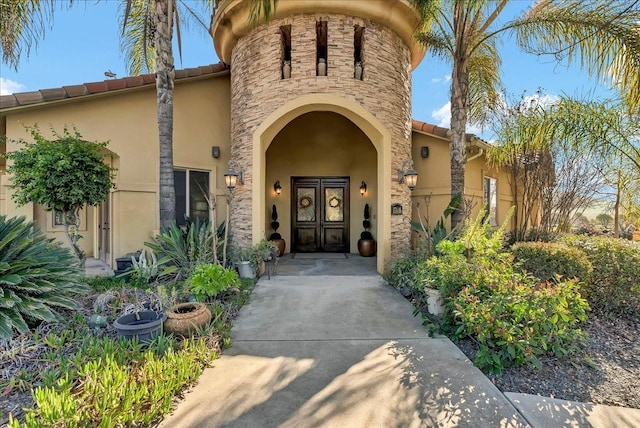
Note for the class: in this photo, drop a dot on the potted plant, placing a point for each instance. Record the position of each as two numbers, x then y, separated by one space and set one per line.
142 320
265 252
125 263
244 260
184 319
275 236
366 244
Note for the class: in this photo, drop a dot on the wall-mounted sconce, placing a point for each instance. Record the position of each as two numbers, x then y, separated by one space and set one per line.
277 187
231 177
215 151
424 152
363 188
408 175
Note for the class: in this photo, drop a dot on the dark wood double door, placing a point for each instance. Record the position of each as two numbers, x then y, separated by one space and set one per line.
320 214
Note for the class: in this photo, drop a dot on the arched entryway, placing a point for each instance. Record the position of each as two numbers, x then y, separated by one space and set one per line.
285 129
320 159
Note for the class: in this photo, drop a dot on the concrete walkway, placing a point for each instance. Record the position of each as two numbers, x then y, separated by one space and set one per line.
339 351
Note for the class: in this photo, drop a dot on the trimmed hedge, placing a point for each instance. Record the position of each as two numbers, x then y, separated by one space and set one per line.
613 287
547 261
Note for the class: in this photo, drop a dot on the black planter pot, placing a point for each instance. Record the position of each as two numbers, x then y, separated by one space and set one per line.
123 263
146 325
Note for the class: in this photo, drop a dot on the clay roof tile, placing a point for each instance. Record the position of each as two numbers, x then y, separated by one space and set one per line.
25 98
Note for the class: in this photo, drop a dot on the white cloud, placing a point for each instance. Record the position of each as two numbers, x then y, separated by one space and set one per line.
444 79
442 117
543 101
8 87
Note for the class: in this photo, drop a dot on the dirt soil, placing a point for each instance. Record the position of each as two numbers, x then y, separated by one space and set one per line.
614 379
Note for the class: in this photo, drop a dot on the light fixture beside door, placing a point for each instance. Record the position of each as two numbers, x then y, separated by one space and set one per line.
408 175
233 177
363 188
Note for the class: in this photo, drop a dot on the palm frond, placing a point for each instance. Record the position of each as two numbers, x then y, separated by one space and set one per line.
261 9
603 37
36 277
137 42
485 84
22 24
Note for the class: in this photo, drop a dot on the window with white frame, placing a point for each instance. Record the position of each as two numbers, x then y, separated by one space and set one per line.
491 199
191 187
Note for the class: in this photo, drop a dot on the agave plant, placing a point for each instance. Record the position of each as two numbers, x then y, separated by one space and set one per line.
37 277
184 248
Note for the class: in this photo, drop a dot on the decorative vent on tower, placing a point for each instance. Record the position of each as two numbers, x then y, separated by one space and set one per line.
321 48
358 57
285 51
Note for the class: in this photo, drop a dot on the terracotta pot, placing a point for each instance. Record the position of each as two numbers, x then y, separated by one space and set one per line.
282 245
367 247
184 318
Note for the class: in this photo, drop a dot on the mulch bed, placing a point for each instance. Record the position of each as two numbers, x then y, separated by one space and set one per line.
613 346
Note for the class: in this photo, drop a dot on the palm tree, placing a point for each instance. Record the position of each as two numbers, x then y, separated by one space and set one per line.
604 37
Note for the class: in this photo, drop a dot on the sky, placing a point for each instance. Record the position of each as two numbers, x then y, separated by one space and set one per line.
83 43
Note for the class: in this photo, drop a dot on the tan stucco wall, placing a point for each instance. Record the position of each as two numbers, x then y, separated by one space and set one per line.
258 92
433 191
321 144
128 120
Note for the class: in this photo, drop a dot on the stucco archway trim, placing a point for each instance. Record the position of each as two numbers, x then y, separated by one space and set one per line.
377 133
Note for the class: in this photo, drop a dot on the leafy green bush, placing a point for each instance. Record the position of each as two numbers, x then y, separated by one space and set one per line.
208 280
117 383
36 277
547 260
513 318
515 322
401 275
613 288
64 174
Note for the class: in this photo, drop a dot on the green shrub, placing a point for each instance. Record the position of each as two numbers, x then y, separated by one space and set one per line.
613 287
513 318
401 275
37 277
546 261
515 322
208 280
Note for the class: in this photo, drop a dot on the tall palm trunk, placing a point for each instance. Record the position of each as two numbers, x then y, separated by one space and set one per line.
459 112
164 93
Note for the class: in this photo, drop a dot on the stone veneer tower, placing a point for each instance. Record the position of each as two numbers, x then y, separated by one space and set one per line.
264 99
